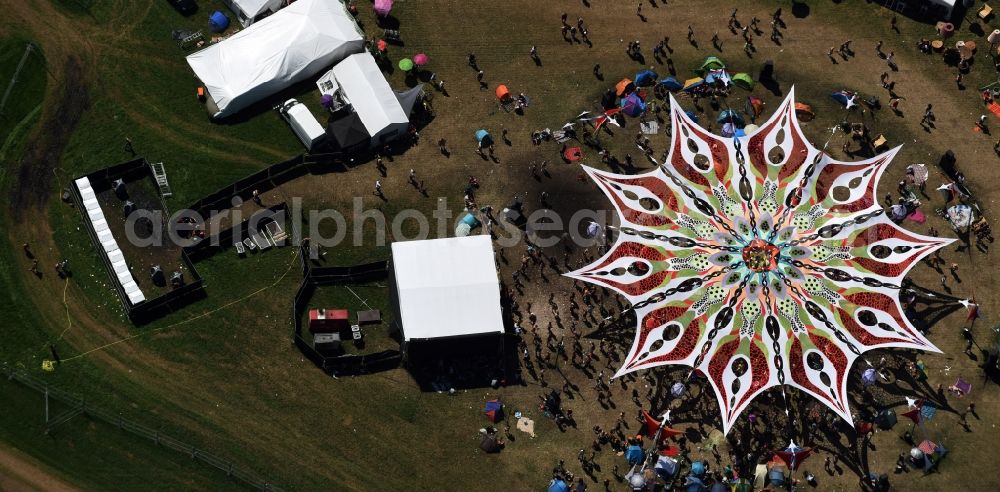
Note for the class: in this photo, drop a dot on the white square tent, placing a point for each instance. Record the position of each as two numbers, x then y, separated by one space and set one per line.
250 11
292 45
446 288
364 87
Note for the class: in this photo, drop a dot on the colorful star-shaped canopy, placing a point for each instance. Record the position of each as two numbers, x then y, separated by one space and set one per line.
760 261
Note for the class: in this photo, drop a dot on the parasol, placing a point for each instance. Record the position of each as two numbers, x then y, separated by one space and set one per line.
406 64
382 7
420 59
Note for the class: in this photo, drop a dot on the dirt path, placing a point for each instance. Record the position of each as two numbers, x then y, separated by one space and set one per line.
20 473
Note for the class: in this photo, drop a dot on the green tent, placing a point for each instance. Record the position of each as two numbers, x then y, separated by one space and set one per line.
743 80
711 63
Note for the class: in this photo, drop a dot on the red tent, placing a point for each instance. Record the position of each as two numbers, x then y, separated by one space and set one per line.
494 411
502 92
573 154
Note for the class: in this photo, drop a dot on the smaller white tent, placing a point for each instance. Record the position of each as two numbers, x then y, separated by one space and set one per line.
250 11
292 45
365 88
447 287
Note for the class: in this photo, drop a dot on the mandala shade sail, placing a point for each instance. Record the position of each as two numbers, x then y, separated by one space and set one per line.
758 260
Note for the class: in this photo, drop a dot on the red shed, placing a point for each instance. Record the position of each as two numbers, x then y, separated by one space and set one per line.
329 321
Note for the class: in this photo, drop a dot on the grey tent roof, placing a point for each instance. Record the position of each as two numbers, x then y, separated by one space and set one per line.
348 131
408 99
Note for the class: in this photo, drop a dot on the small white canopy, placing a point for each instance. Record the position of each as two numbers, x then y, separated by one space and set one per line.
365 88
447 287
290 46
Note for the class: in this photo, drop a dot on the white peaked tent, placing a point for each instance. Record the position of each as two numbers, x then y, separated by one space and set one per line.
290 46
365 88
447 287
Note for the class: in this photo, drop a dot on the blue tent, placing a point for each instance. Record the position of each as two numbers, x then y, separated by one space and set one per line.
694 484
493 409
671 84
776 477
730 116
719 487
634 454
218 21
698 468
645 78
558 485
690 114
633 105
484 138
666 467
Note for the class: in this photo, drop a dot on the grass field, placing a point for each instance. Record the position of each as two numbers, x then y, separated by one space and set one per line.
223 371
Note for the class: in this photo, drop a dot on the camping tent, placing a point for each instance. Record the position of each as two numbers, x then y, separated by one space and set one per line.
730 116
494 411
290 46
633 105
645 78
634 454
557 485
885 419
754 106
250 11
466 225
503 93
718 77
671 84
447 288
710 63
624 86
743 80
366 90
692 84
728 129
667 467
484 138
218 21
804 112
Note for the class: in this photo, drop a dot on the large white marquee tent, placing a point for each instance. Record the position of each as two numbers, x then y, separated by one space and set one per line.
292 45
447 288
365 88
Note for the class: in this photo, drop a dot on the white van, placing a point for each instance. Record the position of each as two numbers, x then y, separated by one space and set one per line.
303 123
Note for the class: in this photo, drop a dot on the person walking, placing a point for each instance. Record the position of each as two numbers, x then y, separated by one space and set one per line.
378 188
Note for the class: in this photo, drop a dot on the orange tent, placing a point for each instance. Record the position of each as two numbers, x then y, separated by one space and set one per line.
804 112
624 87
502 92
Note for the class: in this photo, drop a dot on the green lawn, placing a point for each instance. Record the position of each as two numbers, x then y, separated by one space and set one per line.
113 459
25 97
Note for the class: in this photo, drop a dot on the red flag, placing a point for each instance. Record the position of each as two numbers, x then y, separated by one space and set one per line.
913 415
653 425
973 310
